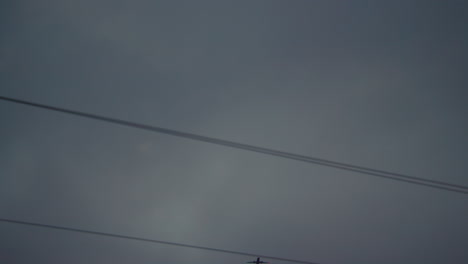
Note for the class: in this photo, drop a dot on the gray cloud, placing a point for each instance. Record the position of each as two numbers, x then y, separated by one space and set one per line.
378 84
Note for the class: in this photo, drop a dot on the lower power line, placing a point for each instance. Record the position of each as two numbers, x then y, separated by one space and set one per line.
147 240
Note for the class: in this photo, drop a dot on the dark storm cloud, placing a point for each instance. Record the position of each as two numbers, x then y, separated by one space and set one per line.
376 83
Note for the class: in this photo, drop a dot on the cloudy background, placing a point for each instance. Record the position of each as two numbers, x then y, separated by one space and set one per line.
381 84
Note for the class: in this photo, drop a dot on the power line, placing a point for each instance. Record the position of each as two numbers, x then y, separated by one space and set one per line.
329 163
83 231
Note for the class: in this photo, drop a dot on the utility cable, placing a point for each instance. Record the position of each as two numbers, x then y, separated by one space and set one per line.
329 163
112 235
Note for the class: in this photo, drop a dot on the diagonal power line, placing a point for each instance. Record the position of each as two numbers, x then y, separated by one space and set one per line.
147 240
329 163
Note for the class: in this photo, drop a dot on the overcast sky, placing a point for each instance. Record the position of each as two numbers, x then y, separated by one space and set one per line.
381 84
